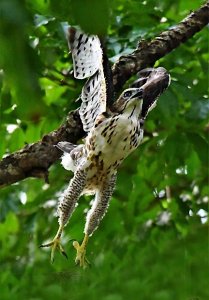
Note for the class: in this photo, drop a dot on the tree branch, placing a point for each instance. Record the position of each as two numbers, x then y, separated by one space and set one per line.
35 159
148 53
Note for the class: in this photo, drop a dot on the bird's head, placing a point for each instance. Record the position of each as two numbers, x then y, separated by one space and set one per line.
128 99
153 82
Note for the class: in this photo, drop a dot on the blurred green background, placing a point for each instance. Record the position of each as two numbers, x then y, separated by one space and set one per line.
154 241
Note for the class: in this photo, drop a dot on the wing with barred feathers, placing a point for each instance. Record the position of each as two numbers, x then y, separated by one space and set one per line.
87 62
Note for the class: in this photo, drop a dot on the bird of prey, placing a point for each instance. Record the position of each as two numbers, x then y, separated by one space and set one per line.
112 134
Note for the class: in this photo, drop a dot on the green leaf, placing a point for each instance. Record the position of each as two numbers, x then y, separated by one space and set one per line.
201 146
92 16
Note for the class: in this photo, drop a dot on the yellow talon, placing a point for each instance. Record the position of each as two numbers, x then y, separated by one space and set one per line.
55 244
81 252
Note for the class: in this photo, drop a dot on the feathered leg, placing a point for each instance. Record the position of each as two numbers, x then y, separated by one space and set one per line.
94 216
66 207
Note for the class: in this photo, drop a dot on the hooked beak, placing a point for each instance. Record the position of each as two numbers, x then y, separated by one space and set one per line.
138 94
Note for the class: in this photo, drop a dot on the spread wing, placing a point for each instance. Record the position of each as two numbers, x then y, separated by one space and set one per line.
87 62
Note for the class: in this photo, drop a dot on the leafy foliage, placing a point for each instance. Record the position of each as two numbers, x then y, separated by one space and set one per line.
153 243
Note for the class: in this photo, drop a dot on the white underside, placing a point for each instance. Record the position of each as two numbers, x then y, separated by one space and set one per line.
67 162
112 152
118 149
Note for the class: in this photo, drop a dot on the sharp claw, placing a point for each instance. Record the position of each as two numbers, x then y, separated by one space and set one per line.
64 254
45 245
55 244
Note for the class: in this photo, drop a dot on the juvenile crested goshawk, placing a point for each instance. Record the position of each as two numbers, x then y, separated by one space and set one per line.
111 134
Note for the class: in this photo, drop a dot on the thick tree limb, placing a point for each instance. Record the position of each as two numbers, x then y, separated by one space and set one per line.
148 53
35 159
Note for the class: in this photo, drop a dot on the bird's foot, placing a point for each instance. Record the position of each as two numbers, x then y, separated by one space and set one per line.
55 244
81 253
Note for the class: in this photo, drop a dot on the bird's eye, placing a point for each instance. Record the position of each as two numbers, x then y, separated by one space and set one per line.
127 94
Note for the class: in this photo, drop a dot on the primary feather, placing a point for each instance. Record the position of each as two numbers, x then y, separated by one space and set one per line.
86 53
87 61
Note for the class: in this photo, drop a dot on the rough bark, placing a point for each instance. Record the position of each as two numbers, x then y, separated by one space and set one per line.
148 53
35 159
